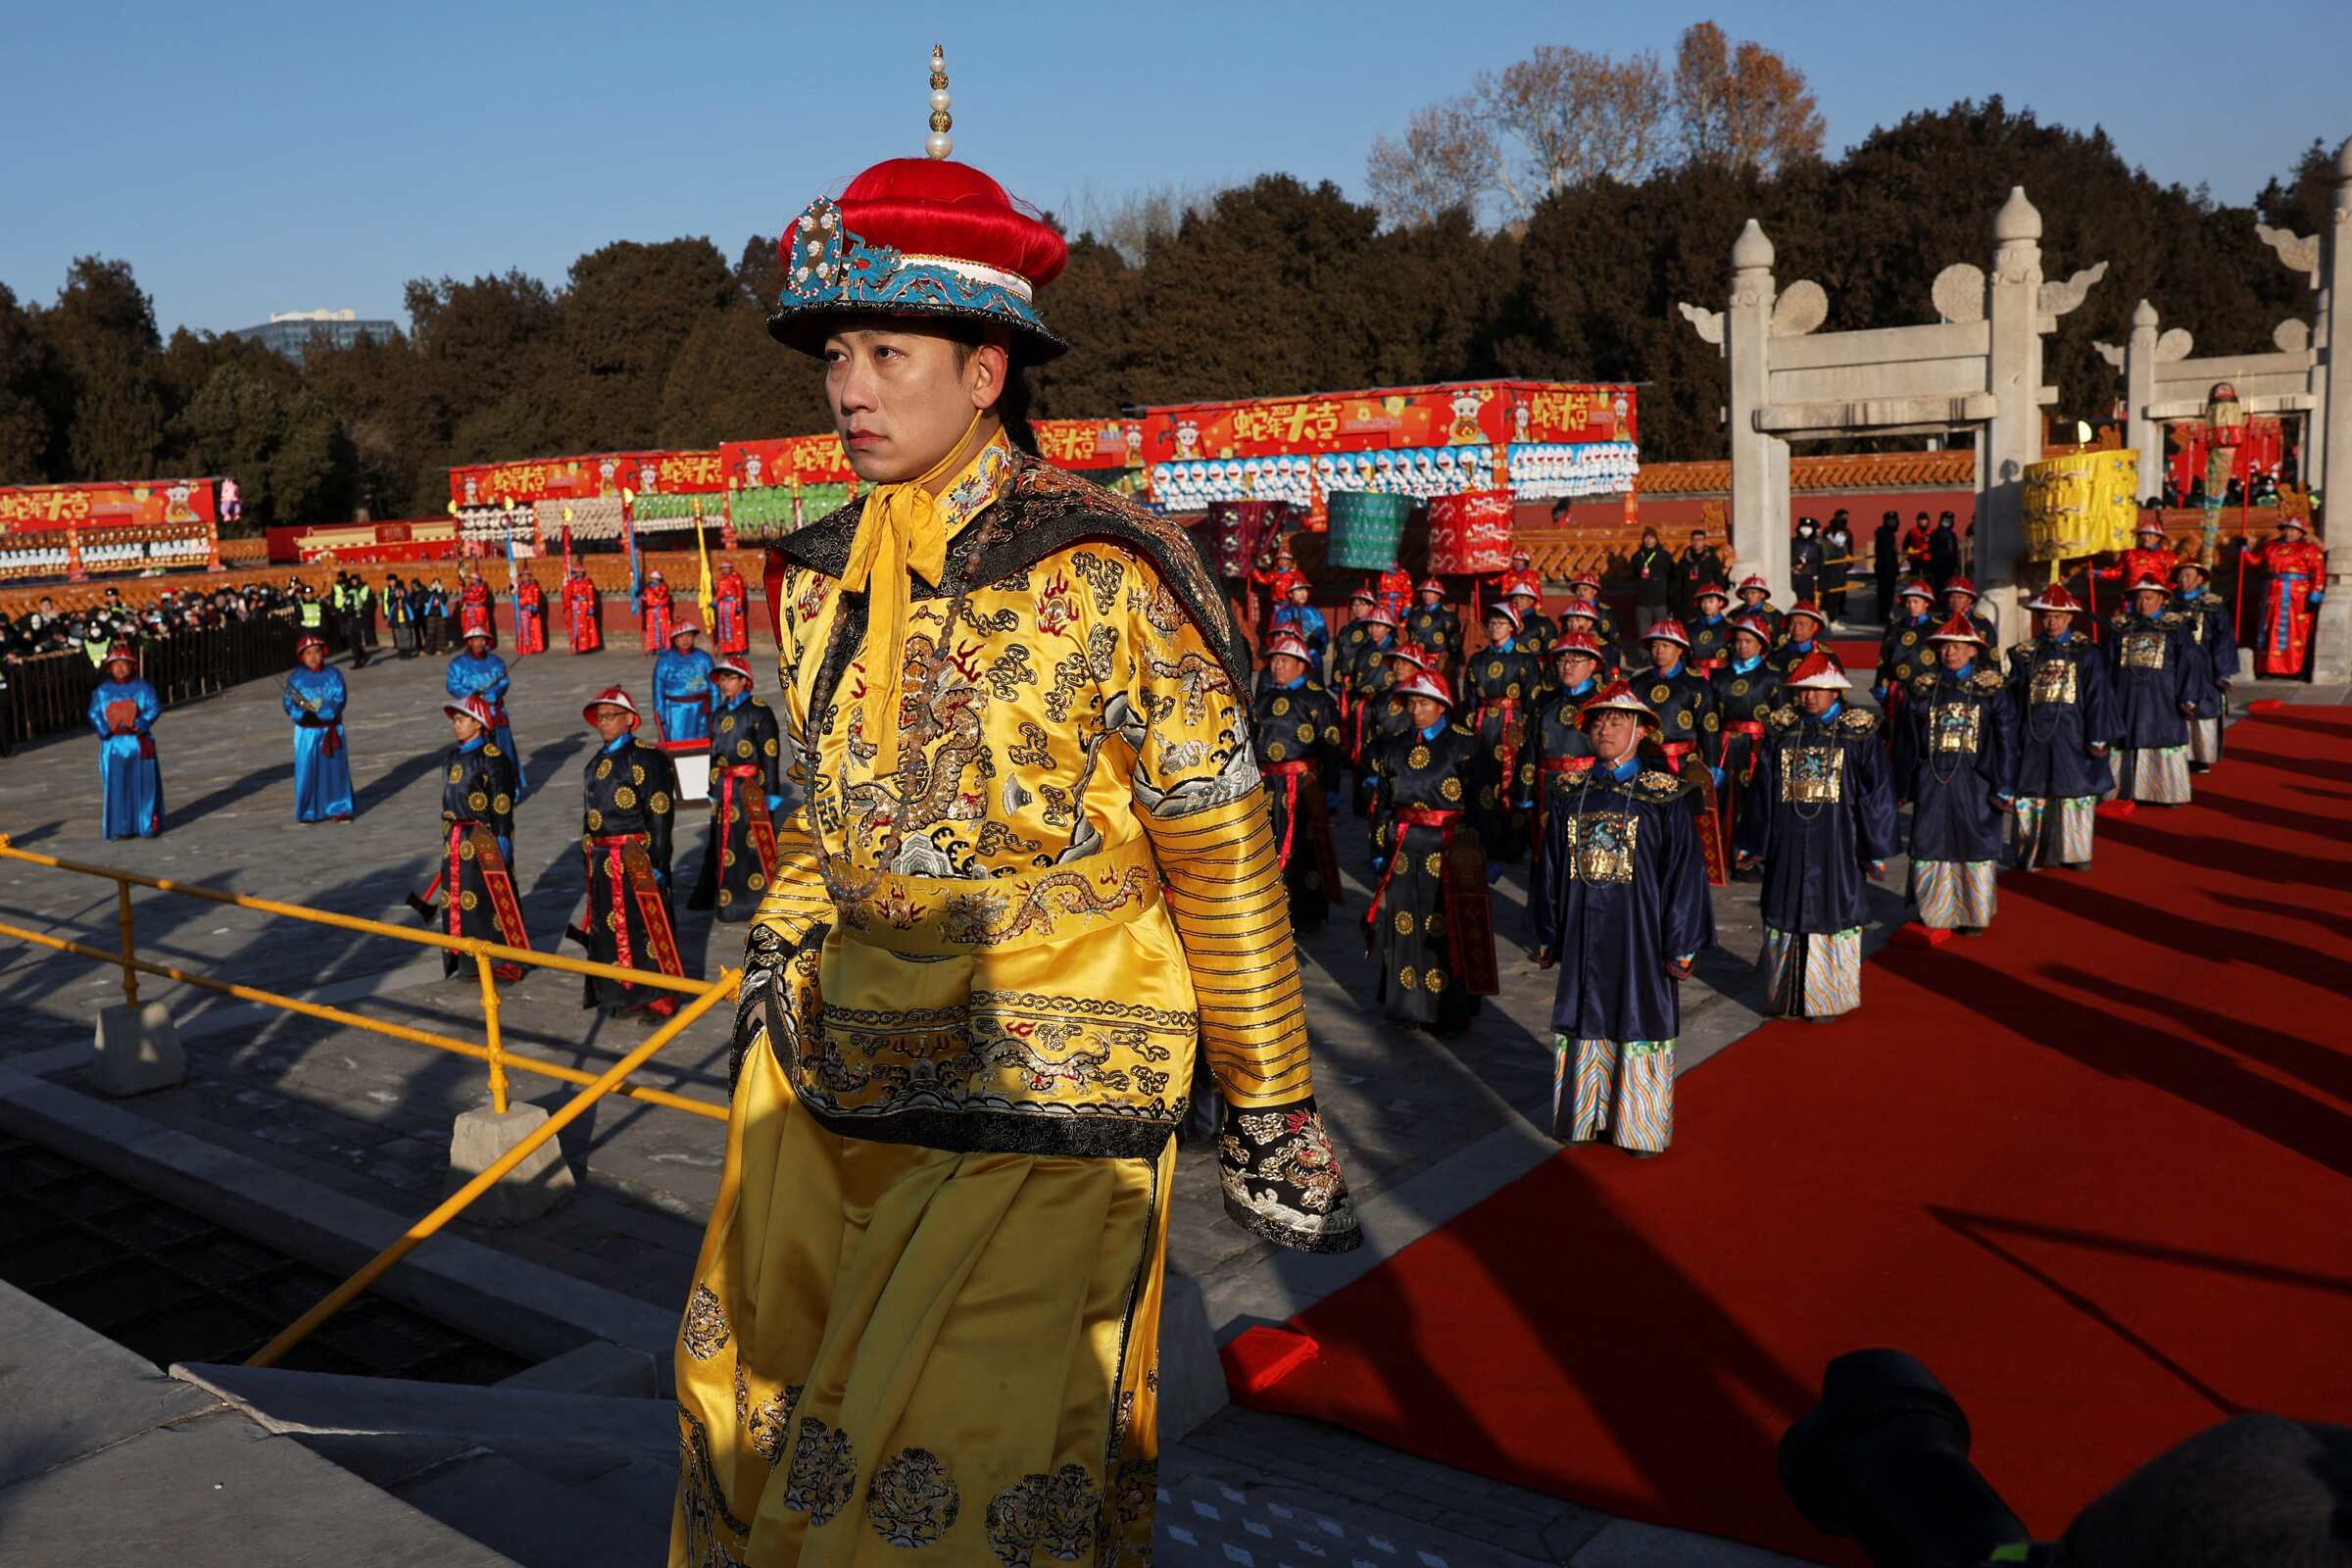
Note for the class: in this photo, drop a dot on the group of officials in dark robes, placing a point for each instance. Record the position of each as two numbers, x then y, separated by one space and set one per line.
1720 748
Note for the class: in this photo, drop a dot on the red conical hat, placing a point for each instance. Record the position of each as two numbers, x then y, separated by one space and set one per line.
1817 671
1425 683
1960 585
1753 581
1711 590
1291 644
1412 653
2057 600
308 639
474 708
1616 697
1805 608
1580 642
1504 610
1580 607
1752 627
1916 589
731 665
1959 629
1668 631
1431 585
611 696
2148 582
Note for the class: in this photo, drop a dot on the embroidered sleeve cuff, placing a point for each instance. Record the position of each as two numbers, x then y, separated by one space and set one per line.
1282 1178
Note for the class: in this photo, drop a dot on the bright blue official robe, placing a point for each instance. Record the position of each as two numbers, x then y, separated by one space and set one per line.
130 779
683 694
486 677
314 701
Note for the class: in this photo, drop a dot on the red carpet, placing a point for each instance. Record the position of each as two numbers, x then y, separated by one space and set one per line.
2091 1167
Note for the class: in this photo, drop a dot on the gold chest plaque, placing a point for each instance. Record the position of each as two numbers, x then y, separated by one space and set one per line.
2144 650
1955 727
1813 775
2054 681
1600 846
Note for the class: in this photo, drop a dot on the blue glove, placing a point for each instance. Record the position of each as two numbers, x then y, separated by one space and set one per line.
1380 863
1878 694
1719 776
2316 600
505 851
661 877
775 805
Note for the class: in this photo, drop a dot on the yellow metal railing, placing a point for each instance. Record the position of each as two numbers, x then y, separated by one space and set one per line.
492 1052
454 1205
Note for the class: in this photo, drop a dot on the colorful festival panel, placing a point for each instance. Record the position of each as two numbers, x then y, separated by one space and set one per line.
1468 413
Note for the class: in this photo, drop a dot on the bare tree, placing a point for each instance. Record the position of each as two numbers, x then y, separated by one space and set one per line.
1564 116
1132 221
1745 107
1558 117
1448 158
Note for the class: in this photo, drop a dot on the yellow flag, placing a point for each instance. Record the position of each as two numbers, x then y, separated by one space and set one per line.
708 596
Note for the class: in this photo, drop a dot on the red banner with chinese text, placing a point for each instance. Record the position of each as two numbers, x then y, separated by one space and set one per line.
123 504
1090 443
780 459
600 474
1466 413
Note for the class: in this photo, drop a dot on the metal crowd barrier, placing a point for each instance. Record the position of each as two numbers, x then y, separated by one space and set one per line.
50 693
491 1052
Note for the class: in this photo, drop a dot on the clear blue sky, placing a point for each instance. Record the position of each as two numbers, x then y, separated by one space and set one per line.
252 158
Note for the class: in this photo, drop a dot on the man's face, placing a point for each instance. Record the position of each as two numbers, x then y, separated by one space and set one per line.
612 722
1747 645
1752 597
1803 628
477 645
1614 733
1817 700
1710 605
1300 593
1431 598
118 670
2149 601
2053 623
1914 606
902 398
1425 711
1699 541
1285 668
730 685
1499 629
314 656
1664 656
1577 667
1955 655
2190 579
466 728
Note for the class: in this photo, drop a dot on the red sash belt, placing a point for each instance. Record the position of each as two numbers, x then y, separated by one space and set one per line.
1443 819
1564 764
1289 773
757 829
1752 728
1675 750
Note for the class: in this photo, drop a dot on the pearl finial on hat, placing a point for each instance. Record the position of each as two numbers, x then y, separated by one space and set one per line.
939 144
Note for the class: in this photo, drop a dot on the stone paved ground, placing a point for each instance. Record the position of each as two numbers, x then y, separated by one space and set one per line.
372 1115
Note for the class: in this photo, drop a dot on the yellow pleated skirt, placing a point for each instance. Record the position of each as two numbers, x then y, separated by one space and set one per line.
893 1349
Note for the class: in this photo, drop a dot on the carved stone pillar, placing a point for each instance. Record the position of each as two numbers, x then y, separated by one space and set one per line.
2013 436
1759 504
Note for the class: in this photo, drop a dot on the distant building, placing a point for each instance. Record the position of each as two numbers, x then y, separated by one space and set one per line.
290 332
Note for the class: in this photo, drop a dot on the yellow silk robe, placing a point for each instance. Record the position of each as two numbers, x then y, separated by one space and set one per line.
926 1311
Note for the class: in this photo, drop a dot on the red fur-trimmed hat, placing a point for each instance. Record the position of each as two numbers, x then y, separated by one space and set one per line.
613 697
1668 631
920 237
